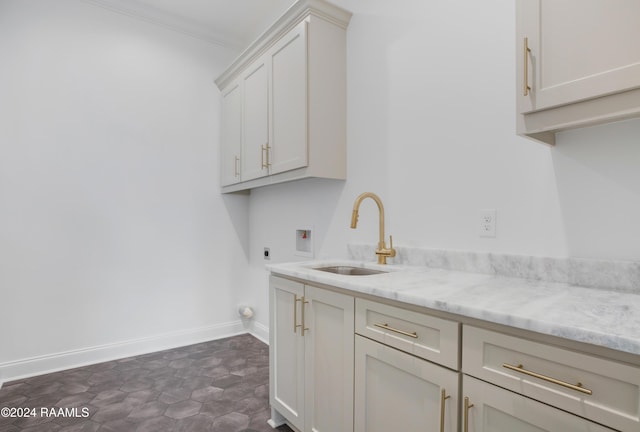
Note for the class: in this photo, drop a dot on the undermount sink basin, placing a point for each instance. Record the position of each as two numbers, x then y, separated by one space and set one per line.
350 271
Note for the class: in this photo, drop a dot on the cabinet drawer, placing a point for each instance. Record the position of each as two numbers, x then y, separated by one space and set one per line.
422 335
601 390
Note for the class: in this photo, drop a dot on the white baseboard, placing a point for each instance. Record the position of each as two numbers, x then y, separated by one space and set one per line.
40 365
259 331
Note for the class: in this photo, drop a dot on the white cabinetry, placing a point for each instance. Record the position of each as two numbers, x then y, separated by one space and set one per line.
422 335
293 81
231 136
395 390
289 101
578 63
286 351
403 372
255 120
600 390
311 357
488 408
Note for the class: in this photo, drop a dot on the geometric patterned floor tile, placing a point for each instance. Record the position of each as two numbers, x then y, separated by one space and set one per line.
217 386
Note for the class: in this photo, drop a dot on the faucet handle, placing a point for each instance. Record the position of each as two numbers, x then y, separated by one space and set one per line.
390 242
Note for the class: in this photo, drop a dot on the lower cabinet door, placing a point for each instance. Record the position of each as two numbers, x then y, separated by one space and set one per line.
395 391
286 350
488 408
328 361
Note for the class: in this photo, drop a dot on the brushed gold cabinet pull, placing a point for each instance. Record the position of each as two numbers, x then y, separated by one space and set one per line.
304 302
577 387
295 313
443 397
386 327
265 150
467 405
525 65
235 166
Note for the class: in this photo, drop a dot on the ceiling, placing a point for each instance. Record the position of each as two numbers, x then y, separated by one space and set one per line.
231 23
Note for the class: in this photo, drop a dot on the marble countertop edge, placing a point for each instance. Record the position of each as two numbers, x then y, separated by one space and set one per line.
588 315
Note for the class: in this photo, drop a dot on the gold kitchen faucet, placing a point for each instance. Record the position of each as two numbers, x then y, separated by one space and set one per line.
382 252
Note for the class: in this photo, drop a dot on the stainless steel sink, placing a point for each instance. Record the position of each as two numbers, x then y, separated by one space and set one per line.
350 271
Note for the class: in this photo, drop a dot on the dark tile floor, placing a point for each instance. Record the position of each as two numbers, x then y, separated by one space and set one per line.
219 386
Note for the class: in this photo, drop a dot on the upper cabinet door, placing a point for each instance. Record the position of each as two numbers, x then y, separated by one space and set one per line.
231 136
579 50
289 101
256 121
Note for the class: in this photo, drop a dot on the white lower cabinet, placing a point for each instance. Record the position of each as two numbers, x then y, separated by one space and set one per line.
286 352
602 390
488 408
395 391
311 357
344 364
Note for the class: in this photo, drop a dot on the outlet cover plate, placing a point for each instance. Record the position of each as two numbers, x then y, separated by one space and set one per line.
487 223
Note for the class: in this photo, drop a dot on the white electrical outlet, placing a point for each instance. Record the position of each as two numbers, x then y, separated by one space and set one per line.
487 223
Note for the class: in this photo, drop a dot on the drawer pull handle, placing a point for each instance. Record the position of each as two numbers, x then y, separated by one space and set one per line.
386 327
577 387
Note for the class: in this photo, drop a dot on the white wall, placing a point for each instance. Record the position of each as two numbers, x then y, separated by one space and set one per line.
431 129
112 227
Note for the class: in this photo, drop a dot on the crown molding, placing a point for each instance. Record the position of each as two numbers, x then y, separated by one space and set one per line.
299 11
134 9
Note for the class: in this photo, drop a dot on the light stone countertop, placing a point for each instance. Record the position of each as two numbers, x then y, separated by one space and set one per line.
594 316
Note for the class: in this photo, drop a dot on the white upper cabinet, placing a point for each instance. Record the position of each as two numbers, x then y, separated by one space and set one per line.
578 64
293 104
231 136
289 101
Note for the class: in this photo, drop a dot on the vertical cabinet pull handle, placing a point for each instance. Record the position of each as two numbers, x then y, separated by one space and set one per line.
526 50
262 149
303 302
295 313
467 405
443 397
235 166
265 150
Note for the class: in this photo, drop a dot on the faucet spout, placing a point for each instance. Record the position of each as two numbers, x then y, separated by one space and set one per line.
382 252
